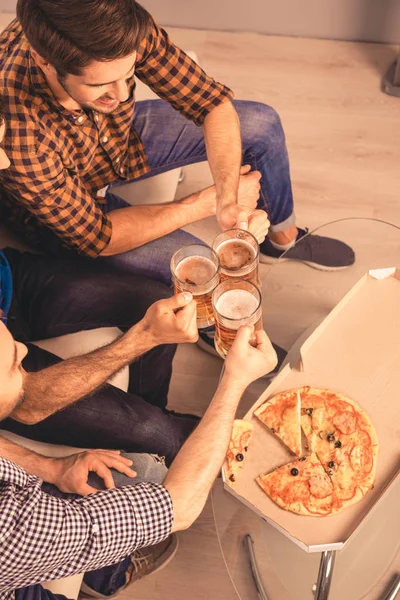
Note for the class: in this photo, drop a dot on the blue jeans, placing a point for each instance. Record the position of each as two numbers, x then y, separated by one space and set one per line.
109 579
171 141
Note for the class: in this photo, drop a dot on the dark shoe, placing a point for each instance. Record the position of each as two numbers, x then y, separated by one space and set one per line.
146 561
323 253
206 343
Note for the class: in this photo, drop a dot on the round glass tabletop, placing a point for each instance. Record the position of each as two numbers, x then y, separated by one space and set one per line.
296 298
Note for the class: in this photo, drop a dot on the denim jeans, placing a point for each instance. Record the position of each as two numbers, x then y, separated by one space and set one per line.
54 297
109 579
171 141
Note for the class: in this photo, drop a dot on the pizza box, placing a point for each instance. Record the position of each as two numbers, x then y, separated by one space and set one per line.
355 351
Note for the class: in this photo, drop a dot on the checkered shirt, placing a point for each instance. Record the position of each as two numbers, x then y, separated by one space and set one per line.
44 538
60 159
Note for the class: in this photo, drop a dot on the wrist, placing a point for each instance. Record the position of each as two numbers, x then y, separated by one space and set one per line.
202 203
233 383
141 338
50 470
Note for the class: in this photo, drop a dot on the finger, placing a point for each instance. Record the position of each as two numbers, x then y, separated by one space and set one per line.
108 451
118 465
111 454
243 336
242 221
85 489
175 302
103 472
187 320
245 169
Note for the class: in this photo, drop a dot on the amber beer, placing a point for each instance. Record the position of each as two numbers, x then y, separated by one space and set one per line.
235 303
238 252
195 269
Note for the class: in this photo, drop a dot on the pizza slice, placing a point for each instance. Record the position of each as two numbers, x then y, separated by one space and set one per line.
241 434
302 487
281 414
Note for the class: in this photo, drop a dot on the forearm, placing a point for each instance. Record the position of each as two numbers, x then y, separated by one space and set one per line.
31 462
135 226
62 384
224 151
194 470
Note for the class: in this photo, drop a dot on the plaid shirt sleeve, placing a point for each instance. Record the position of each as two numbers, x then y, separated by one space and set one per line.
38 181
176 78
44 538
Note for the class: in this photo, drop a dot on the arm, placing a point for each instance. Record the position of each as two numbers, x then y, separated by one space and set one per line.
87 529
194 470
62 384
69 473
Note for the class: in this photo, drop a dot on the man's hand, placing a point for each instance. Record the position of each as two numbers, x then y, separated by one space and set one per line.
70 474
244 214
251 356
172 321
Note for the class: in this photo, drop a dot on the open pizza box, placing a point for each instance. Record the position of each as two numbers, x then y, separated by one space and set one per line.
355 351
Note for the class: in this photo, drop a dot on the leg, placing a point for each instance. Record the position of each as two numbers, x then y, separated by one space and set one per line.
54 297
36 592
110 418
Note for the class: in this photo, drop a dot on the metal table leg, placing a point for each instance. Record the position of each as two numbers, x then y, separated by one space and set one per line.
325 575
249 546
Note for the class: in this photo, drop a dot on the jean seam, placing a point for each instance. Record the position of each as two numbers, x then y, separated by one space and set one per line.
262 193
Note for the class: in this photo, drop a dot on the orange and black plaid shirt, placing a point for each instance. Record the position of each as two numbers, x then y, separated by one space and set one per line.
61 159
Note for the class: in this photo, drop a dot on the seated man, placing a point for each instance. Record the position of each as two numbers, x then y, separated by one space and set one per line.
53 297
68 79
40 533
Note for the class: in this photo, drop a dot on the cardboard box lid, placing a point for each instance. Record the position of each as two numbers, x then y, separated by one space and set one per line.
356 351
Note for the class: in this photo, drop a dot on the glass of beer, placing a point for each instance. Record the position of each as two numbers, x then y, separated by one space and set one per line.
195 269
238 252
236 302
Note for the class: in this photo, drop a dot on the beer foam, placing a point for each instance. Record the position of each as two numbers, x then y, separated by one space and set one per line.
236 254
236 304
196 270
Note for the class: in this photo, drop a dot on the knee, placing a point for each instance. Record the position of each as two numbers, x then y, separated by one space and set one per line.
261 124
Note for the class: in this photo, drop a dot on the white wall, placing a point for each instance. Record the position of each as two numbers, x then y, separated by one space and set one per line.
369 20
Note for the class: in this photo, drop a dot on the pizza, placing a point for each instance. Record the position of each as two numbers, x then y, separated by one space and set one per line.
281 415
302 487
344 439
343 443
241 434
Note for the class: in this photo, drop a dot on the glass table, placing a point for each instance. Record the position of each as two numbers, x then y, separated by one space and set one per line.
261 561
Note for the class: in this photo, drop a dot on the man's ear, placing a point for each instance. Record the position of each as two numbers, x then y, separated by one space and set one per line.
41 62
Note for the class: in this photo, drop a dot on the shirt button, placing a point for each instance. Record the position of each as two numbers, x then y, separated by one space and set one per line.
105 139
122 170
96 117
80 119
95 528
117 159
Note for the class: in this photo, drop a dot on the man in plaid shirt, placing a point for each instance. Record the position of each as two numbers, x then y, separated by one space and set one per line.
67 71
46 537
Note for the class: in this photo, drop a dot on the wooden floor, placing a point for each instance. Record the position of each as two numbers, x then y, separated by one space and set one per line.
343 136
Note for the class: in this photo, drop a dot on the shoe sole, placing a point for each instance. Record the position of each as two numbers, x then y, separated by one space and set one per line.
269 260
172 550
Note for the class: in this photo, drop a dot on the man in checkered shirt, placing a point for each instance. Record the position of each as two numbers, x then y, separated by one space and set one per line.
67 72
46 536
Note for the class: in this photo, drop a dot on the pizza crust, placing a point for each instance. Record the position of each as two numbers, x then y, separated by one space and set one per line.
237 449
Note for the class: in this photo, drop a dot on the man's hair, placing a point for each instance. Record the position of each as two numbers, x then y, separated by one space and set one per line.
70 34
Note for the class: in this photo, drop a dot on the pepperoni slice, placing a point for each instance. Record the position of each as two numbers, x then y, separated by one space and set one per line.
297 491
361 460
345 422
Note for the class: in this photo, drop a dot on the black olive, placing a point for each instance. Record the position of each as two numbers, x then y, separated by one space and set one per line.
330 437
302 458
246 448
239 457
273 430
232 478
331 464
309 411
294 472
338 444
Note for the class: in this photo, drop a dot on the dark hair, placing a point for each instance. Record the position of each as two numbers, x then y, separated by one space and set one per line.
70 34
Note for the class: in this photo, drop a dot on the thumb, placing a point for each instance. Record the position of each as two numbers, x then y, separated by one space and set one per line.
176 302
242 221
243 336
245 169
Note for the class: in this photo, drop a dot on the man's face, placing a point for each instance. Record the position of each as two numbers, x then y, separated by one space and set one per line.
11 373
102 85
4 162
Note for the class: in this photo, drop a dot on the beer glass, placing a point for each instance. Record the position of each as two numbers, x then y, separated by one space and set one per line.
195 269
236 302
238 252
